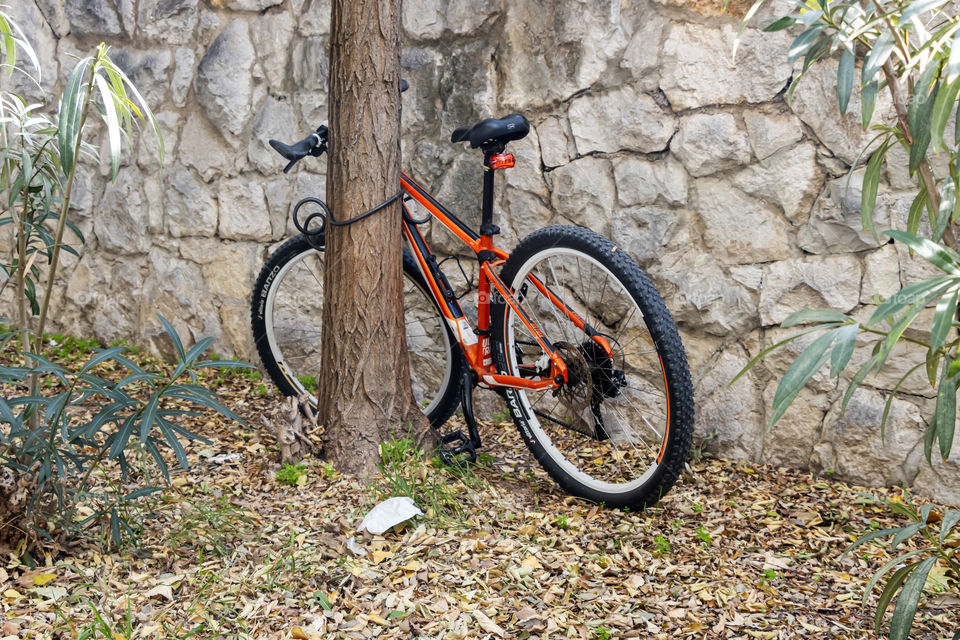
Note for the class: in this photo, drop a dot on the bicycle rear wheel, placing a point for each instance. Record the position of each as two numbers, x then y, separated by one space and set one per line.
286 314
619 431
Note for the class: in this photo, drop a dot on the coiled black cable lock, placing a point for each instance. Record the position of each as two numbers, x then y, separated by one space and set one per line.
315 235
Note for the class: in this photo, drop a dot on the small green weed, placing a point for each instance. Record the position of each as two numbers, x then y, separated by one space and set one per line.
293 475
327 471
563 522
661 546
769 575
704 536
503 416
69 348
676 524
602 633
309 383
436 488
261 390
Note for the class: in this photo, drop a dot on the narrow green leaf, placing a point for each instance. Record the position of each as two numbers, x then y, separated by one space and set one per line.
950 518
936 254
805 316
956 128
843 349
869 537
101 356
883 570
906 608
954 368
803 42
942 108
932 365
797 375
774 347
918 150
878 55
69 114
166 427
908 295
174 337
953 64
906 533
871 182
948 198
780 24
139 493
845 78
868 101
817 51
148 417
943 318
113 124
894 583
945 415
154 451
118 441
857 380
904 321
916 210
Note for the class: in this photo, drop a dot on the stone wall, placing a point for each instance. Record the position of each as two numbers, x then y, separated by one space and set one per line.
644 129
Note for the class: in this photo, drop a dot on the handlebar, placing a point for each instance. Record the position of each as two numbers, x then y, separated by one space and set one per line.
313 145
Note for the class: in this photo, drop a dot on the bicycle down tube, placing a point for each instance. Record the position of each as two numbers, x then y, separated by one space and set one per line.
476 344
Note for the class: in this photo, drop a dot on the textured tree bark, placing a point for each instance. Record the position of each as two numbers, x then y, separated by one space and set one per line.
364 391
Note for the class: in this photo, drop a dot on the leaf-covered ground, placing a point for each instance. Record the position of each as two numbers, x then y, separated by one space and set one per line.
734 551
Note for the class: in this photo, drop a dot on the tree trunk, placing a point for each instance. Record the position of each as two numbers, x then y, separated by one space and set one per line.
364 393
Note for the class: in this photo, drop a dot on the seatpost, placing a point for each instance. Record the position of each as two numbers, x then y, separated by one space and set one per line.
487 228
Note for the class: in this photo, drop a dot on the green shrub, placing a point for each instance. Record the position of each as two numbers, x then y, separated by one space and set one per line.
63 457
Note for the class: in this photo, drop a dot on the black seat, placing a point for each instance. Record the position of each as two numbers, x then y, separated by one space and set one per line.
493 131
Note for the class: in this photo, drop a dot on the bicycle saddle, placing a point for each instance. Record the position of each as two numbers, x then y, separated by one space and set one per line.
493 130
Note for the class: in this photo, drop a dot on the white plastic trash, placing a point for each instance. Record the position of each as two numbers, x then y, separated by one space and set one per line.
389 513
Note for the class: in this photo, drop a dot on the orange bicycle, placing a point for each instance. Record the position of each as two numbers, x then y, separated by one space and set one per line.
569 330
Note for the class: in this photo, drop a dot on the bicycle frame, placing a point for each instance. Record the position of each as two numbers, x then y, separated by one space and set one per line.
476 344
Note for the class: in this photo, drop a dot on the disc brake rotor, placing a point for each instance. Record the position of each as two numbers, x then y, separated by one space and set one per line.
576 394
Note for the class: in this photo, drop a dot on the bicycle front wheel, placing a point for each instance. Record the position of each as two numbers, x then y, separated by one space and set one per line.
286 314
619 431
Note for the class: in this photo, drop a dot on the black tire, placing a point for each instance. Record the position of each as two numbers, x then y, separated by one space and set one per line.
561 430
283 321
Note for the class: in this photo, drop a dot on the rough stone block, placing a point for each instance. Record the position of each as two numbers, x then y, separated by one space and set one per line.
828 282
223 82
730 417
740 229
584 192
699 69
772 132
620 119
189 206
243 210
170 21
121 223
641 181
708 143
790 178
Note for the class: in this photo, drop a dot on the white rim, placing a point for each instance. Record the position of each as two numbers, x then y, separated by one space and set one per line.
279 358
533 419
